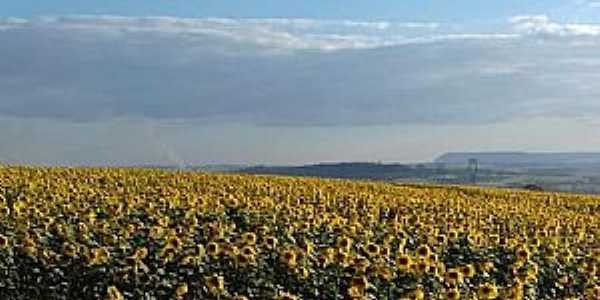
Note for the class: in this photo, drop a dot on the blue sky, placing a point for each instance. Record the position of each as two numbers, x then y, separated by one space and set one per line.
291 82
415 10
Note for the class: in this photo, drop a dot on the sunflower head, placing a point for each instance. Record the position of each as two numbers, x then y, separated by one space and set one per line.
359 282
215 284
174 242
372 249
344 244
289 257
212 249
441 239
423 251
4 242
417 294
181 291
452 294
249 238
141 253
522 254
468 270
453 277
113 293
487 291
270 242
286 296
69 250
403 262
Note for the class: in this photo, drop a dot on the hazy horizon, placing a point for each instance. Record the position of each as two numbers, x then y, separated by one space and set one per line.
212 82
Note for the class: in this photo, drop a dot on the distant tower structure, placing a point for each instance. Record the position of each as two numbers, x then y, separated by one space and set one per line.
473 169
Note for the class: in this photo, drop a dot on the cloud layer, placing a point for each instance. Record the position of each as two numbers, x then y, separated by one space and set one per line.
296 72
544 26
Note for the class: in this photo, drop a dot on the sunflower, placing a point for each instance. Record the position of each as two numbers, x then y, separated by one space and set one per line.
307 246
372 249
593 292
244 260
174 242
230 250
4 243
423 251
286 296
468 270
189 261
212 249
534 242
323 260
360 264
100 256
70 250
342 258
487 291
453 277
140 253
417 294
493 238
168 254
433 269
589 269
249 238
181 291
403 262
302 272
157 232
289 257
515 292
4 211
432 258
28 242
344 244
565 256
422 266
533 270
215 284
385 252
522 254
452 294
248 251
113 293
270 242
386 273
360 283
354 292
487 266
441 239
453 235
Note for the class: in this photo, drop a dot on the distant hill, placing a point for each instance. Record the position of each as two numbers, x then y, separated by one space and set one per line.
219 168
522 159
350 170
203 168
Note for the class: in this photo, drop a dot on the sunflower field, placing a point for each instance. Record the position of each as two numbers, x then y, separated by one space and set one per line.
79 233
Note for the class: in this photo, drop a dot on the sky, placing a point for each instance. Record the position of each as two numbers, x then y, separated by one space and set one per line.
270 82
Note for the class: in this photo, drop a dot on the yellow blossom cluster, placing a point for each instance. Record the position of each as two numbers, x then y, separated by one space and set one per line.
104 233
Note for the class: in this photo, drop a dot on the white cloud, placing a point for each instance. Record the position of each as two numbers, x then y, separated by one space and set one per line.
541 24
291 34
221 70
10 23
